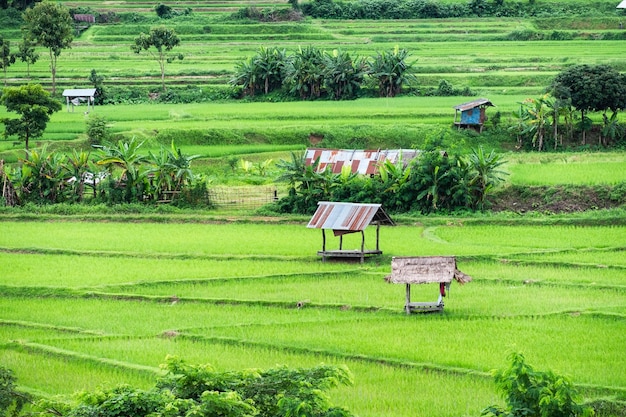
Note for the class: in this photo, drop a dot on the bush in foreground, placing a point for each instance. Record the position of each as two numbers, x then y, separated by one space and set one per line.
198 390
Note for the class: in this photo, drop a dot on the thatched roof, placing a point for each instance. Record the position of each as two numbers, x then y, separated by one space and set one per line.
425 269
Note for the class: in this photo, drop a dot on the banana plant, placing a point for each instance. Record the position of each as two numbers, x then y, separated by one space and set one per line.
126 162
76 166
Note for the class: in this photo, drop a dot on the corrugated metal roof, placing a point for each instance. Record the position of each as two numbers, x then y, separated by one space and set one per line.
80 92
89 18
472 104
363 162
347 217
622 5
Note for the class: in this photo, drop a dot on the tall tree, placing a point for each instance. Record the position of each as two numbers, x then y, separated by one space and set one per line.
50 25
163 40
27 54
34 105
6 57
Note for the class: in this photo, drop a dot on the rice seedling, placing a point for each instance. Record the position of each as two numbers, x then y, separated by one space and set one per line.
42 372
89 271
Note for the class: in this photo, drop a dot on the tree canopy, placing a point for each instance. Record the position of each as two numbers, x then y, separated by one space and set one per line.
34 105
592 88
50 25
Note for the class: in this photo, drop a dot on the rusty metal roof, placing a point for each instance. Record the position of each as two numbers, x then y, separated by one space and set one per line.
364 162
473 104
347 217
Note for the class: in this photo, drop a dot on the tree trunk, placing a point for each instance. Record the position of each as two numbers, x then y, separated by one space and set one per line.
582 118
53 71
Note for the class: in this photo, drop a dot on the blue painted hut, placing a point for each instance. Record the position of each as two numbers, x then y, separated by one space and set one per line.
472 114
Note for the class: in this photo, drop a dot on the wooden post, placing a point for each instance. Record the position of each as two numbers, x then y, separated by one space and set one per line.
323 246
362 246
340 242
377 235
407 302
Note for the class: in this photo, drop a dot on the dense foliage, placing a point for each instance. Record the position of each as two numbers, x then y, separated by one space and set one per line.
434 181
428 9
12 400
198 390
532 393
548 120
119 173
593 88
310 73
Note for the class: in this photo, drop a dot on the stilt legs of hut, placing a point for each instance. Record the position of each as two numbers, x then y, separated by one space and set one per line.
421 307
407 304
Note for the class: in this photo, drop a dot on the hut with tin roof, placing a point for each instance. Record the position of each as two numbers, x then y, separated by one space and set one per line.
76 96
473 115
423 270
345 218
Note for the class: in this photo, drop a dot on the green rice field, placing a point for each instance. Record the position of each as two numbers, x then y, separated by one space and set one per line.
96 304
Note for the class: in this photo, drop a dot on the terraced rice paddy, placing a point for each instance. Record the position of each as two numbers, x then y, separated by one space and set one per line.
98 304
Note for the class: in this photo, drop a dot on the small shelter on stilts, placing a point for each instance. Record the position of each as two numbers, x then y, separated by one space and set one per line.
345 218
424 270
74 97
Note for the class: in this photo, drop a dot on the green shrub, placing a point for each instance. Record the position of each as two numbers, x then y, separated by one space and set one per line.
11 400
98 130
528 392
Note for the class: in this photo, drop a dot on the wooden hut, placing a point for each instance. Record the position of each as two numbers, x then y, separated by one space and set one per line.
74 97
473 114
345 218
423 270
